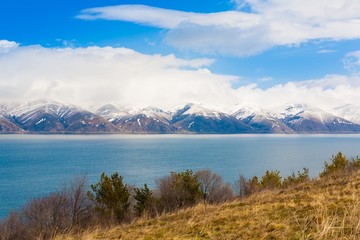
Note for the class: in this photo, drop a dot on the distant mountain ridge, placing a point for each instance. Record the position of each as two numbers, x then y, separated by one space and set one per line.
47 116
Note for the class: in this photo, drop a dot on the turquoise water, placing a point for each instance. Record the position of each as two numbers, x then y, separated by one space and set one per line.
34 165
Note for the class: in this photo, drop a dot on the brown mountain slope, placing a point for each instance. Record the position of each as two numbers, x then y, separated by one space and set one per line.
8 127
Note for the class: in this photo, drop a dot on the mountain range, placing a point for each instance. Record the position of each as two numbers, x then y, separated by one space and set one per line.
47 116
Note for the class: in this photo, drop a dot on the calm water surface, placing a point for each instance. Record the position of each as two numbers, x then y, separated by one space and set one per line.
35 165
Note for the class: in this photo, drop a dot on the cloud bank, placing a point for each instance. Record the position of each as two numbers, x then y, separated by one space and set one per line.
97 75
100 75
269 23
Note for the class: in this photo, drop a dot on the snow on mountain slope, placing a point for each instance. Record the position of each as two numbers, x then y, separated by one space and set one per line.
112 112
51 116
3 109
261 120
200 119
27 109
131 119
200 110
349 112
6 125
157 113
304 118
85 121
41 115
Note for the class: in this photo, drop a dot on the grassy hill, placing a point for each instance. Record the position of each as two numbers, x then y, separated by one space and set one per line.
326 208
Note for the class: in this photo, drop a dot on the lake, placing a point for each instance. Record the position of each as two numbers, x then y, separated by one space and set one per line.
35 165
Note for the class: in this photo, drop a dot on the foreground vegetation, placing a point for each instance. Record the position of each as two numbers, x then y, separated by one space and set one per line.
200 206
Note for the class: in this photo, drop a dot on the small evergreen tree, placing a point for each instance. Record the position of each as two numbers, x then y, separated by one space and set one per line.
187 188
110 196
295 179
338 163
254 184
144 200
271 179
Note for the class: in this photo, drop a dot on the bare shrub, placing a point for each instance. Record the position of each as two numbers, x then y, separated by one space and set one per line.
45 217
130 213
245 187
222 194
166 194
12 228
212 187
81 208
61 212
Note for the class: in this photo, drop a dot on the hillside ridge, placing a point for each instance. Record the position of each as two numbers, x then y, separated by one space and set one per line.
326 208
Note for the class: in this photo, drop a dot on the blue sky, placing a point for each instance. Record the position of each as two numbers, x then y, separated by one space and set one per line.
256 44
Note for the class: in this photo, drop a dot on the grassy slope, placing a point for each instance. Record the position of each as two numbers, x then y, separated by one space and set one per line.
321 209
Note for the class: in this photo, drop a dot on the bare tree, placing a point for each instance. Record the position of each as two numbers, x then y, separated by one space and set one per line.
81 208
222 194
212 187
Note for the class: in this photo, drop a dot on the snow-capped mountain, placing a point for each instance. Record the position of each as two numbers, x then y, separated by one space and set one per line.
46 116
304 118
130 119
21 108
41 115
51 116
6 125
199 119
112 112
261 120
348 112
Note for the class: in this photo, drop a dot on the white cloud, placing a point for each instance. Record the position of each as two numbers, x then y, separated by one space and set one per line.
270 23
95 75
167 18
325 51
351 62
312 94
331 82
266 79
137 13
6 46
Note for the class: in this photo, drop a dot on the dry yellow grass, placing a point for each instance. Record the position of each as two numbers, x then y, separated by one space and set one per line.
321 209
